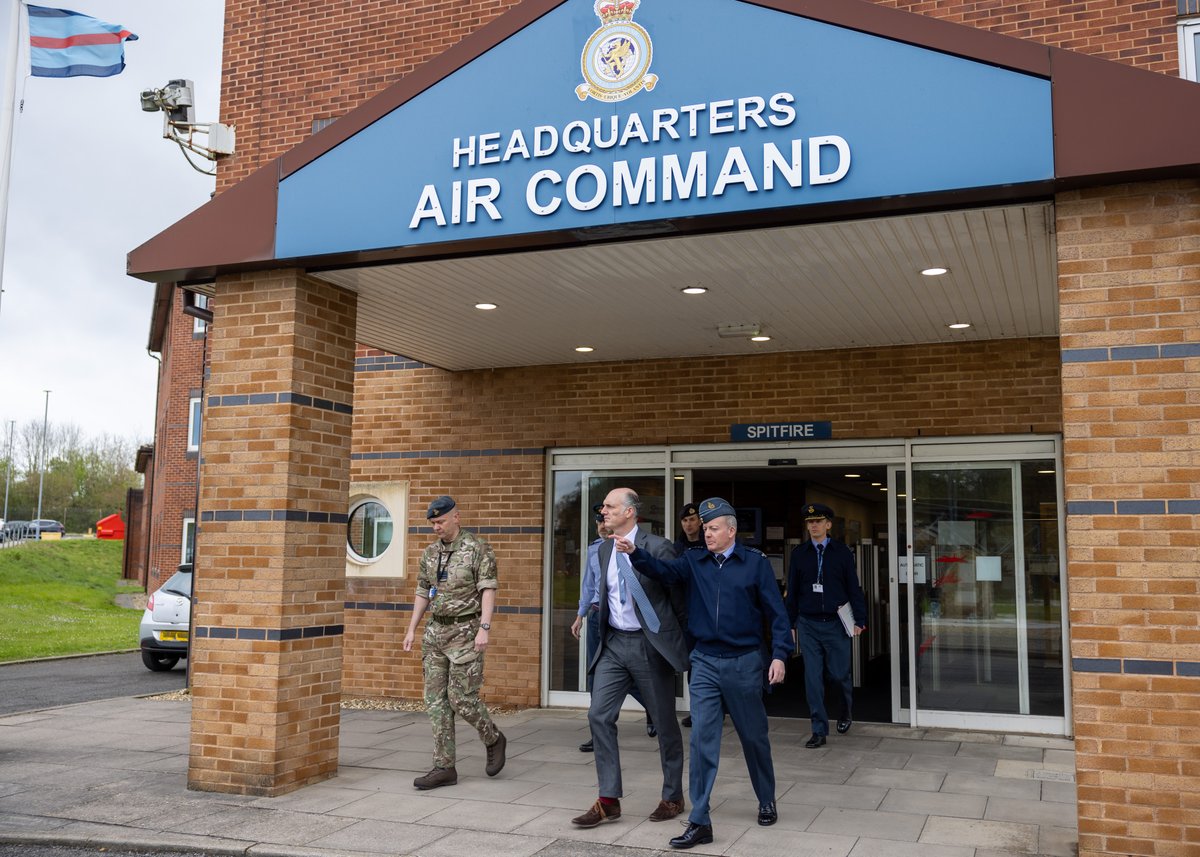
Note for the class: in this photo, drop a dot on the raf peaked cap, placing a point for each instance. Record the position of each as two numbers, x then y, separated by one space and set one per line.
688 510
715 507
439 507
817 512
598 513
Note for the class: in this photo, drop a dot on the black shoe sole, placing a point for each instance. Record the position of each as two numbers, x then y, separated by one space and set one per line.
704 840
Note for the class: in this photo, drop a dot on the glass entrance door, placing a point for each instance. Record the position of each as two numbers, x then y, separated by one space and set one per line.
575 492
978 599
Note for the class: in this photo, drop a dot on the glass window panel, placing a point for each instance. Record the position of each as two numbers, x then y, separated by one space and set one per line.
1043 587
369 530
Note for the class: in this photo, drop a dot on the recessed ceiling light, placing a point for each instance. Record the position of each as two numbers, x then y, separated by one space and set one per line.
694 290
883 489
760 338
485 306
959 325
1046 472
585 349
853 475
901 495
876 484
935 272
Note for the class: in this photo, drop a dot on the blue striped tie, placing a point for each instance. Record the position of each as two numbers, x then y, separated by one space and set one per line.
626 579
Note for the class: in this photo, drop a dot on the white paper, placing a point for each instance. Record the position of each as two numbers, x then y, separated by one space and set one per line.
987 568
919 569
846 614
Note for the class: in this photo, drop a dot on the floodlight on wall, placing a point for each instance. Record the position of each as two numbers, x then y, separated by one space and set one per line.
177 101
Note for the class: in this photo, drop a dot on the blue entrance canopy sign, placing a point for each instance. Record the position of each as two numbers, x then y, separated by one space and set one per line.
780 431
631 111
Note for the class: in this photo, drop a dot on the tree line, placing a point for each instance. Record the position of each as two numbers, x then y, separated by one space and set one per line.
84 478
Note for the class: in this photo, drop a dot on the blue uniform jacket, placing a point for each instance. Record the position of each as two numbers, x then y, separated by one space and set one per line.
838 577
728 605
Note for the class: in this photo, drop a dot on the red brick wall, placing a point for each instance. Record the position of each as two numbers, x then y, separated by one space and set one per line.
274 83
173 488
977 388
1129 280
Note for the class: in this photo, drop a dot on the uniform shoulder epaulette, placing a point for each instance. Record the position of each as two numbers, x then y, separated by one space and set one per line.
754 550
696 548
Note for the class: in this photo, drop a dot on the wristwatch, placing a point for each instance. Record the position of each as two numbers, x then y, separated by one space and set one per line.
485 626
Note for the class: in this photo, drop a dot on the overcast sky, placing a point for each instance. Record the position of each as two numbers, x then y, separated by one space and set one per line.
92 178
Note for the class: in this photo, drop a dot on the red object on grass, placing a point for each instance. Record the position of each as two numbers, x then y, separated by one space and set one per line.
111 527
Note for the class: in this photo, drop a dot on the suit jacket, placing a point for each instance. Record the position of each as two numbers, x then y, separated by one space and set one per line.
669 602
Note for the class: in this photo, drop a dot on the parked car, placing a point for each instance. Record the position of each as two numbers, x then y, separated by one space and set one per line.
164 627
14 531
45 525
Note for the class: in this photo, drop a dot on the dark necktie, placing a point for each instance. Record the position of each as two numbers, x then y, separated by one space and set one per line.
820 562
720 558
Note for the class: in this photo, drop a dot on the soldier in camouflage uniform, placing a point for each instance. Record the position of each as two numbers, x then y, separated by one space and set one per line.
456 581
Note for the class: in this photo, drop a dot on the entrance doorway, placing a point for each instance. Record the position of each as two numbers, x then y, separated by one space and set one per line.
770 502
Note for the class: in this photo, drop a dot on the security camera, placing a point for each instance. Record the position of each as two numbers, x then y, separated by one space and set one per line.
150 101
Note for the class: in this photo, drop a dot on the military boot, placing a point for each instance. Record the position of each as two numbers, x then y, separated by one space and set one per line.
495 755
437 778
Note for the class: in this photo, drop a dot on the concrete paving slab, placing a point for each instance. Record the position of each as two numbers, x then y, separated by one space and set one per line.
11 822
962 735
263 825
1027 811
874 823
929 781
867 847
795 769
792 816
1046 742
562 796
1058 841
1060 757
974 784
1001 751
484 815
850 796
1060 793
767 842
934 803
475 842
380 836
1001 835
1020 770
654 835
963 764
916 745
387 806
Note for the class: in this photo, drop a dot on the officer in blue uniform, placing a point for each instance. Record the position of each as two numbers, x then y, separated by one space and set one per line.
821 578
732 596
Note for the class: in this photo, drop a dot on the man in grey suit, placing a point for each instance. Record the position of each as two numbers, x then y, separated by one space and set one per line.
641 646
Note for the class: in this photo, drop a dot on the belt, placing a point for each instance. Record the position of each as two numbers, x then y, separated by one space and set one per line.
454 620
819 617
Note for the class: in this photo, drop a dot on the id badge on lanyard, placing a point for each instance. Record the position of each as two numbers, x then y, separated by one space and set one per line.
443 572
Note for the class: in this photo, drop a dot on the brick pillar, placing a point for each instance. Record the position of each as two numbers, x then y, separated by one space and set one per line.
1129 290
271 551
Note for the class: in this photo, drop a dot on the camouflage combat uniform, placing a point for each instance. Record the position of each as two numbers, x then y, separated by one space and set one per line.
453 669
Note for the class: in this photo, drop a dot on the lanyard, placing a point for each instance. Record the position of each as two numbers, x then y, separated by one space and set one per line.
443 571
820 563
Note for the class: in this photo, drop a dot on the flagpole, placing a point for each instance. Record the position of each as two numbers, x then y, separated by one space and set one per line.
8 120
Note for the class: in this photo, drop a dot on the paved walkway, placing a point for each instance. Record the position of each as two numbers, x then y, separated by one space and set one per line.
112 774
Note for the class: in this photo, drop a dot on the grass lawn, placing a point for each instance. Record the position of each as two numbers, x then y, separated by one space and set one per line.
56 598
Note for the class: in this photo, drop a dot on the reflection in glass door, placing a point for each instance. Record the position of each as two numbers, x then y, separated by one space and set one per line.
573 528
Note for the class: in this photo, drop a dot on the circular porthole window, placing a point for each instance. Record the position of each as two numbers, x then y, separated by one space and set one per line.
369 530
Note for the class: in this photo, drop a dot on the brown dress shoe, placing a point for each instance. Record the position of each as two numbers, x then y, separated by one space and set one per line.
495 755
599 813
437 778
666 810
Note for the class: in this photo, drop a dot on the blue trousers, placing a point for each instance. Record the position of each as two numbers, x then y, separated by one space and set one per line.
826 650
734 686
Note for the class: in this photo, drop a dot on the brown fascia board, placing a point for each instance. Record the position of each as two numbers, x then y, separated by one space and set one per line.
159 315
145 454
236 230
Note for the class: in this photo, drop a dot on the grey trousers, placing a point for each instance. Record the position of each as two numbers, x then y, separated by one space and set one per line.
629 661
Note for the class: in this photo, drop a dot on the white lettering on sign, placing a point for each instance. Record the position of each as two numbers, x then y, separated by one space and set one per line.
750 167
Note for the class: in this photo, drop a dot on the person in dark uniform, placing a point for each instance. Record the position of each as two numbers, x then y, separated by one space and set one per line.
731 596
821 578
689 537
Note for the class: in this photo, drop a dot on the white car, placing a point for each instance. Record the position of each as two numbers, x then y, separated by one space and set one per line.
164 627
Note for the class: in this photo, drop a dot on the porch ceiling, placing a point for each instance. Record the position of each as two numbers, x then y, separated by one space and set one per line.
839 285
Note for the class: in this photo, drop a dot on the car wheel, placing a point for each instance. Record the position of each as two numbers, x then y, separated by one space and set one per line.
159 663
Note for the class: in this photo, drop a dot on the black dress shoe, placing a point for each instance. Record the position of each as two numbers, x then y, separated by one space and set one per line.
651 729
586 746
815 741
767 814
687 721
696 834
844 725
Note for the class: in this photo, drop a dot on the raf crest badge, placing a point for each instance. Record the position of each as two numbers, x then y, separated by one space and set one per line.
616 58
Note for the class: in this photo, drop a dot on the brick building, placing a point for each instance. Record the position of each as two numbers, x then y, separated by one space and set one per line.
1021 491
